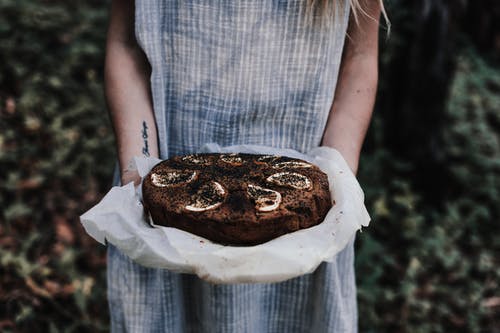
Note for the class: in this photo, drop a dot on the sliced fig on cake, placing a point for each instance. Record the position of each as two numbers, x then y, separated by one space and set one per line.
266 159
209 196
291 164
172 178
232 159
290 179
195 159
265 199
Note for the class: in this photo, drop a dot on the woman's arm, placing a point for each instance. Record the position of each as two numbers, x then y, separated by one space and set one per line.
352 107
128 90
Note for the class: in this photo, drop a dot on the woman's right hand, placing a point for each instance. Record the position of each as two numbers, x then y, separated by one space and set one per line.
128 176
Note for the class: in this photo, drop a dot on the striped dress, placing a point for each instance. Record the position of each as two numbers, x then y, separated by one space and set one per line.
236 72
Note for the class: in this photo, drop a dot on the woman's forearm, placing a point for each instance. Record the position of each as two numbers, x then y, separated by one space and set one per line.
129 104
355 93
127 88
352 109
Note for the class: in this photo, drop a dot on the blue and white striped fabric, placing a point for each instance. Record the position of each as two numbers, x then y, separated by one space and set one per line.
236 72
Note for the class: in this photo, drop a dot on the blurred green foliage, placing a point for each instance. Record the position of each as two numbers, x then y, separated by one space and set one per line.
422 265
56 157
427 268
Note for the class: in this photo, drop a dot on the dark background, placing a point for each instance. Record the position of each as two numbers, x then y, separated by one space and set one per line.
430 169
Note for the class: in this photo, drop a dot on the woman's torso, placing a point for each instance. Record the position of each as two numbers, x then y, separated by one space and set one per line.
235 72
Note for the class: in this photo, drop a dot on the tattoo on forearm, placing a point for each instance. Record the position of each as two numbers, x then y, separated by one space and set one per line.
145 149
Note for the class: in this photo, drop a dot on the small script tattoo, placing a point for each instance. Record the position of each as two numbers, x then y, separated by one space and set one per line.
145 149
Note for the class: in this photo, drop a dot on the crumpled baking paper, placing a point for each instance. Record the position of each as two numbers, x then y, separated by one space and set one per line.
120 220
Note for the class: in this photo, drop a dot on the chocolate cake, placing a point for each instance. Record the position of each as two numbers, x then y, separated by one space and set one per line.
236 199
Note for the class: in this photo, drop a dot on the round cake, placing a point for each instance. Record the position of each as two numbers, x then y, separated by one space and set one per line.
236 199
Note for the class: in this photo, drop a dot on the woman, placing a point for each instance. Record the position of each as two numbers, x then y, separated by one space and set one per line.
271 72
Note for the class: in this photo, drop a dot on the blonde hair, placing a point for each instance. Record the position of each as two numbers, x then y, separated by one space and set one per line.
327 8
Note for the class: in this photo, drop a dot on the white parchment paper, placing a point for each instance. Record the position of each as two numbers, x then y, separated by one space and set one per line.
119 219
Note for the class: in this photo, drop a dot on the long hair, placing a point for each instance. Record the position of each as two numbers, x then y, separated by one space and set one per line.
320 9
